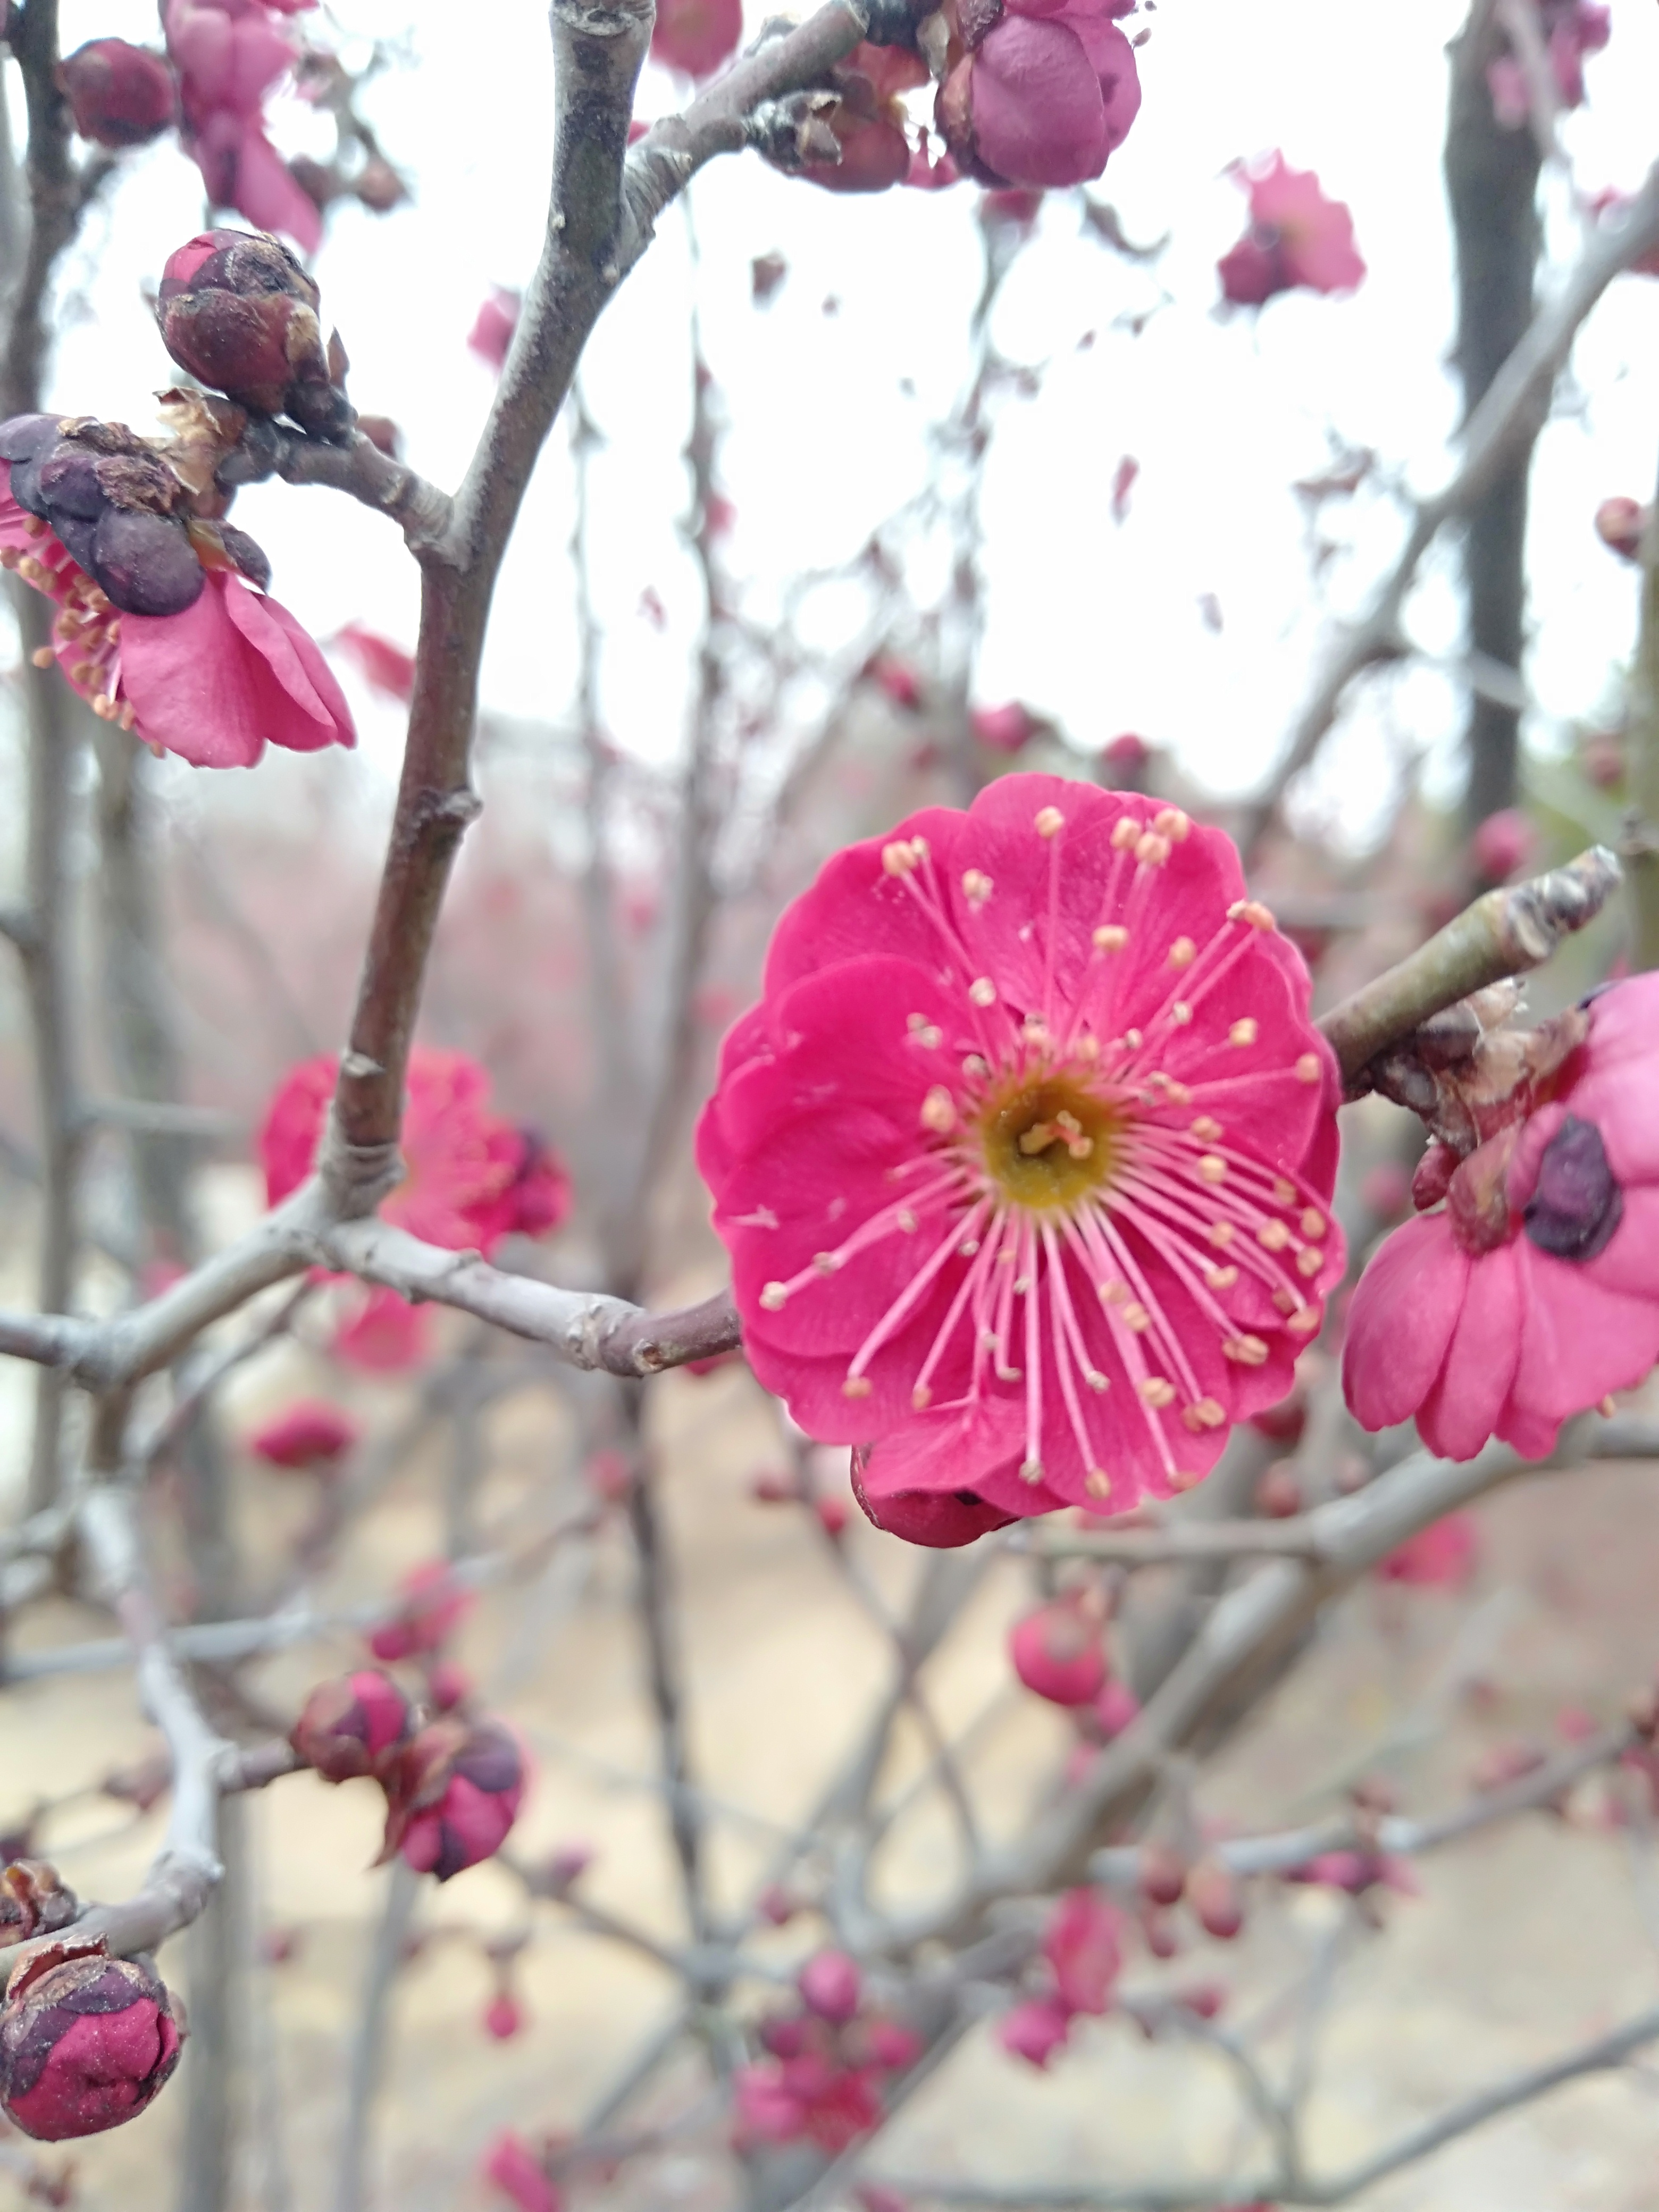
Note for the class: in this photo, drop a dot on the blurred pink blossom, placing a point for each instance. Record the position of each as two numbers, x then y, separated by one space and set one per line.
1297 237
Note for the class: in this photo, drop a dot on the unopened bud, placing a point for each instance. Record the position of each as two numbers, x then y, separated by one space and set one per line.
831 1986
1278 1494
1162 1873
1620 524
118 95
453 1795
238 312
34 1901
355 1725
1058 1653
1215 1900
86 2041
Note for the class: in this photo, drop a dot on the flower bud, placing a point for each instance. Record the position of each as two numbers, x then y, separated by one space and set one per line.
1034 2031
1213 1893
86 2041
1081 1944
1278 1494
1577 1202
34 1901
447 1685
1162 1873
453 1796
1116 1707
238 312
831 1986
513 2167
118 95
355 1725
117 509
1003 729
891 2046
503 2017
1503 845
434 1602
1621 524
310 1434
1058 1653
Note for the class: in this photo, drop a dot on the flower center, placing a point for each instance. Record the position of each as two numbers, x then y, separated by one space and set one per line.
1048 1141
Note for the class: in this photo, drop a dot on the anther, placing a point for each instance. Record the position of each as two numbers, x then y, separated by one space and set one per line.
1030 1470
1169 822
1133 1040
1023 1284
897 858
1308 1069
974 1063
1285 1299
1183 952
1110 937
1049 822
920 1398
906 1221
1156 1392
1245 1351
1284 1191
1097 1483
1206 1129
1113 1294
1244 1032
1151 850
1096 1381
938 1111
968 1247
43 656
1304 1321
1312 1221
1273 1236
976 886
1135 1317
826 1262
1310 1260
982 991
1180 1013
1126 831
1183 1478
1220 1279
857 1386
1204 1414
1221 1233
1211 1167
1009 1374
775 1298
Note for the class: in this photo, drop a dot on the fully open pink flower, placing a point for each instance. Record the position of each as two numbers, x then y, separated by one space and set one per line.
1297 237
215 683
229 54
1048 92
472 1177
1534 1291
1023 1161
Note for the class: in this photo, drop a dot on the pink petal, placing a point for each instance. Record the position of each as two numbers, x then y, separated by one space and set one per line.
1038 115
1462 1410
1404 1307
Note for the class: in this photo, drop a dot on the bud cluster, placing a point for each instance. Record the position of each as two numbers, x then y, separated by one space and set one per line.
828 2064
120 511
238 312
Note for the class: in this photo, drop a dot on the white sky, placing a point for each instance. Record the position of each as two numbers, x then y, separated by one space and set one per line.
1097 624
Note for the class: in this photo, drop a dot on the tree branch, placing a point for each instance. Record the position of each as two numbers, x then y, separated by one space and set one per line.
1503 425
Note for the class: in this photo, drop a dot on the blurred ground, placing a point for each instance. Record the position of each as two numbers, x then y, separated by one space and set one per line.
1521 1943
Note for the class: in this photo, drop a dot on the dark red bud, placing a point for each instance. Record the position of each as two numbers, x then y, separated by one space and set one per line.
357 1725
1214 1897
86 2041
238 311
118 95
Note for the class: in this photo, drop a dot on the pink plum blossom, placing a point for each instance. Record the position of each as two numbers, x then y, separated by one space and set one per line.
434 1604
471 1178
831 1986
1007 729
228 56
1034 2030
353 1726
381 1333
1441 1556
1297 237
1025 1158
511 2166
385 666
1533 1291
1083 1945
695 36
214 682
456 1797
1570 29
868 120
1046 93
491 334
307 1434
